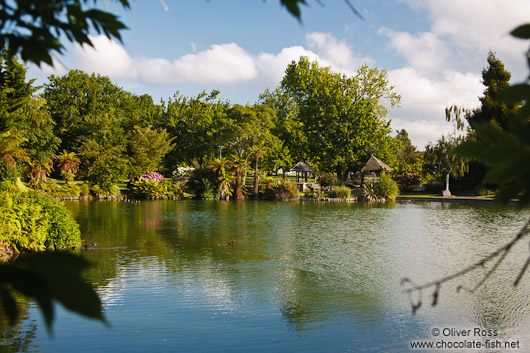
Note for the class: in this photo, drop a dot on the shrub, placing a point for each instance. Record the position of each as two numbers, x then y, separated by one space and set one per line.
369 192
408 181
49 186
328 180
387 188
106 172
182 174
147 189
108 191
207 189
68 176
66 191
287 190
84 190
341 192
35 221
152 185
483 191
267 188
172 190
154 177
63 231
196 184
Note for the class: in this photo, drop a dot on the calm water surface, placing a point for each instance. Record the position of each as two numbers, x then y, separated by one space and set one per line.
301 277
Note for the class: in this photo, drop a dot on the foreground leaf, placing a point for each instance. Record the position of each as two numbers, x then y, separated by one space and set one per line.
49 277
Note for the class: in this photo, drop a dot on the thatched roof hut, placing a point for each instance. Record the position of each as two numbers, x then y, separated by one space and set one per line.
374 164
301 167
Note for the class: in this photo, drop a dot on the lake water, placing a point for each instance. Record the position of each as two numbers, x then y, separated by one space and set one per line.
300 277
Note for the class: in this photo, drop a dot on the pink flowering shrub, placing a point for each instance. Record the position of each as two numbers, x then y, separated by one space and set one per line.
152 185
155 177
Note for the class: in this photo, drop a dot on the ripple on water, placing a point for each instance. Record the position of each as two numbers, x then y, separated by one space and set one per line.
305 277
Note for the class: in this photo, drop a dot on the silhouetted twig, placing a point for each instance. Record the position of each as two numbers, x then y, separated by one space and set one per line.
354 9
500 254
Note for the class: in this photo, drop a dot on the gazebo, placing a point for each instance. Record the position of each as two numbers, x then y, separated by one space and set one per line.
374 166
301 167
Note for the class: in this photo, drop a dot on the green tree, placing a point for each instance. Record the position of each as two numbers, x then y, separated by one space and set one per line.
196 124
15 92
83 105
26 127
440 162
286 128
41 140
408 158
103 165
341 119
258 151
496 79
147 147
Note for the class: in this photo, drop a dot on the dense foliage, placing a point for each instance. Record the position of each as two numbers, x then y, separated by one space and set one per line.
337 121
35 221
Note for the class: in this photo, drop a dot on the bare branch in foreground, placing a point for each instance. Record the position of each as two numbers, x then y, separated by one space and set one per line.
500 254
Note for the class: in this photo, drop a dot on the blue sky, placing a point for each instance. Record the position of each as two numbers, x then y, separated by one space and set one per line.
434 50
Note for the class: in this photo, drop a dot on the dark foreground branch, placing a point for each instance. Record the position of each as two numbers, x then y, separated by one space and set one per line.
415 291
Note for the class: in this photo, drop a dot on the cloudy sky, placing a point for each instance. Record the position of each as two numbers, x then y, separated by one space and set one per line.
434 50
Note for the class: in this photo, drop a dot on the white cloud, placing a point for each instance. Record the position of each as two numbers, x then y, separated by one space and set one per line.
473 27
444 64
106 57
222 63
424 99
337 54
423 51
423 94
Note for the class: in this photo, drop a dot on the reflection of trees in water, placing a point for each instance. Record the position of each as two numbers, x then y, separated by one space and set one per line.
313 256
319 262
18 338
329 266
115 226
307 303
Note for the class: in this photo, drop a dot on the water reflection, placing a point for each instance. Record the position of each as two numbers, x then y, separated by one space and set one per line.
19 338
304 275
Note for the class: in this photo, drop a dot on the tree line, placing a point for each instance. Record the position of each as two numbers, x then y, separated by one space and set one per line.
332 121
87 127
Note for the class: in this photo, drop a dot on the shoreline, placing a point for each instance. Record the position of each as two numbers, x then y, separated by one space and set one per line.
456 199
452 199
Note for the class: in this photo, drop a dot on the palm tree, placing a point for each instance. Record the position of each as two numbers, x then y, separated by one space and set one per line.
223 178
40 170
239 166
10 148
68 163
258 152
